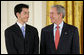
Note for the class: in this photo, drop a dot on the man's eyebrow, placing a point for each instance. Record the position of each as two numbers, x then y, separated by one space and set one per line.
27 12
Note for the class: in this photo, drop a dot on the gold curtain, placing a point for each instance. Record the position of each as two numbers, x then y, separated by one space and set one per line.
74 16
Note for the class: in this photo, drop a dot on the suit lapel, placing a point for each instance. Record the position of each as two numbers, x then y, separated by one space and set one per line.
52 36
63 36
28 35
64 30
18 31
27 31
51 32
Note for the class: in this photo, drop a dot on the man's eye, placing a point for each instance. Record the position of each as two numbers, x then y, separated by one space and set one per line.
26 13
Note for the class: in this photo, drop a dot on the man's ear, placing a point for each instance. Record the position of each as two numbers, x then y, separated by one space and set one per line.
60 15
18 15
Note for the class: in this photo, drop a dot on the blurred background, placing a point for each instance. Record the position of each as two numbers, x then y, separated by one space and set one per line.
39 16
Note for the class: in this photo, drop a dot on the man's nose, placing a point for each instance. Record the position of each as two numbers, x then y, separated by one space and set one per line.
27 15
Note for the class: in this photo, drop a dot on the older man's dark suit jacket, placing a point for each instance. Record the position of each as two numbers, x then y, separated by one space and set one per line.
17 44
68 44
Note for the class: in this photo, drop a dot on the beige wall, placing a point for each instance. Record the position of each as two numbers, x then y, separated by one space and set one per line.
37 17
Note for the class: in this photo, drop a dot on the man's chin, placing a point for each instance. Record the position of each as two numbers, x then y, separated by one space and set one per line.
25 21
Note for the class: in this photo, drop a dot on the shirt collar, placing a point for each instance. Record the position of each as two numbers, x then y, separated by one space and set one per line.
20 25
60 25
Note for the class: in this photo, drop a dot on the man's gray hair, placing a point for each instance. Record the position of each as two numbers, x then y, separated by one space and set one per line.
60 9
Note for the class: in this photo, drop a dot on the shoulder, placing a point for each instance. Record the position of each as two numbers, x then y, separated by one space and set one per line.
10 28
71 27
49 27
31 27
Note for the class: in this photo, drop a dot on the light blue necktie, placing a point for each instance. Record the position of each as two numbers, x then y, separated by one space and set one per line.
23 31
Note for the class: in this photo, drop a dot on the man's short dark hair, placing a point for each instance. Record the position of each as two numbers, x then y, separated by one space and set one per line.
18 8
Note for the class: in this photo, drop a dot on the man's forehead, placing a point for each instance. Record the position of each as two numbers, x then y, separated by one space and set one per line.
25 9
53 8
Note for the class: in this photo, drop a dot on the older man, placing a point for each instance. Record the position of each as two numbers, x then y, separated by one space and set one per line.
59 37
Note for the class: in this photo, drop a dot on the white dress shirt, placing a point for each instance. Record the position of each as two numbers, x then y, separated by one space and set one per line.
60 29
20 25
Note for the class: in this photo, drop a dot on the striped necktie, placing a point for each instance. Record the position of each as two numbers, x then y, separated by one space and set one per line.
23 31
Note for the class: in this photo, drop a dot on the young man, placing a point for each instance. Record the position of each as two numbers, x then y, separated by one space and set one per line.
59 37
22 38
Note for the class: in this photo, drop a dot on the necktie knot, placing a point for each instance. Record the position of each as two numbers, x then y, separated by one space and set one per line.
22 28
57 27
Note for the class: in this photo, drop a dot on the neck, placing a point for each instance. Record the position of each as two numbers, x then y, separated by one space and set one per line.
20 22
58 21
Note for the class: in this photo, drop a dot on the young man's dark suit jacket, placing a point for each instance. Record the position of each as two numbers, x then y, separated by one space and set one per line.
17 44
68 44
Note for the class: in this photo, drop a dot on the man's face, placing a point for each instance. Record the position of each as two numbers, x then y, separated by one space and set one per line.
24 15
54 15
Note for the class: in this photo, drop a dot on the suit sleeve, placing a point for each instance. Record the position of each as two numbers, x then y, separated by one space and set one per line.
9 42
36 42
75 45
42 44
